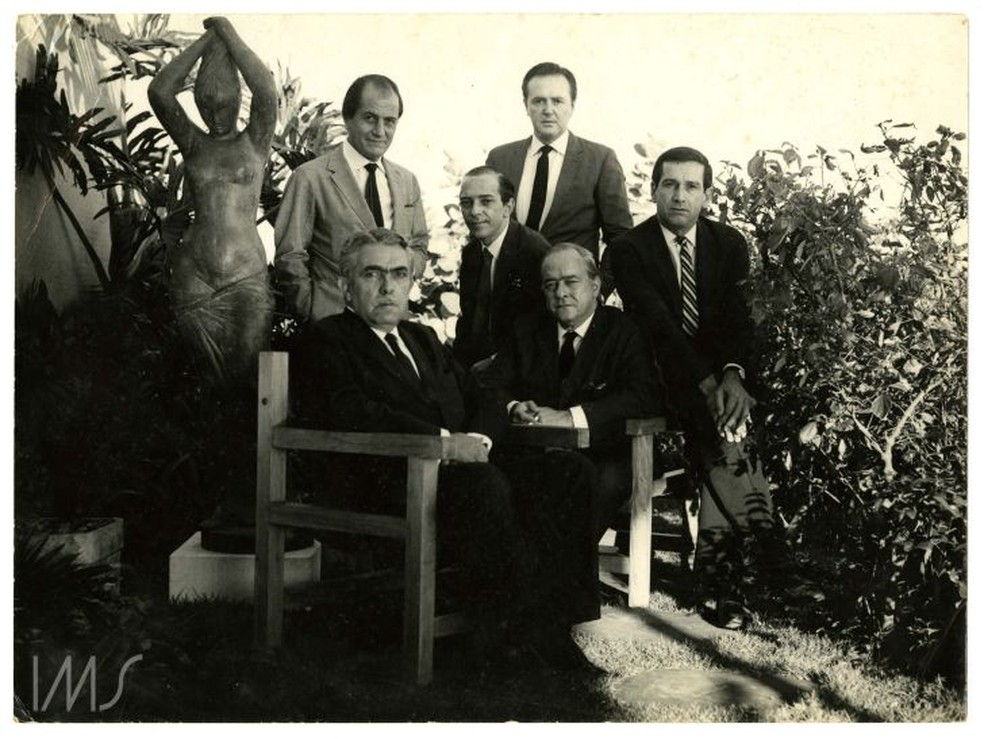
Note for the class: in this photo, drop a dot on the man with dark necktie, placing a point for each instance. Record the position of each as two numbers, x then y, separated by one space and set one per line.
500 266
351 188
579 364
370 369
568 188
681 276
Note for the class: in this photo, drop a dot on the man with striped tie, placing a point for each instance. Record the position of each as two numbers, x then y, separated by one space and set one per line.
681 275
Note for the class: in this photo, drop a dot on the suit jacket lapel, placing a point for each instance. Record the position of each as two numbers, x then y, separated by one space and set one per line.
504 263
398 193
548 354
374 349
567 179
348 188
470 262
663 263
515 159
584 359
420 357
706 264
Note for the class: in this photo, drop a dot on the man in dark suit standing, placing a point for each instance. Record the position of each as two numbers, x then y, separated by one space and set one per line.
568 188
351 188
369 369
581 365
499 279
680 275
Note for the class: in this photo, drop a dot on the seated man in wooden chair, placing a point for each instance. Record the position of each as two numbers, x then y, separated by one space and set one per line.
581 364
369 369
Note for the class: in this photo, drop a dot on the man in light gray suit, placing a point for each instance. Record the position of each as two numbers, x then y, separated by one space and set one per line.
349 189
568 188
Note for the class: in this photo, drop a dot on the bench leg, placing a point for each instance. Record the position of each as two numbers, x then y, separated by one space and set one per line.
269 585
420 569
641 521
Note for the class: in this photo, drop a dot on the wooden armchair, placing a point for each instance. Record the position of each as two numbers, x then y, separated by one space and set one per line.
646 485
275 514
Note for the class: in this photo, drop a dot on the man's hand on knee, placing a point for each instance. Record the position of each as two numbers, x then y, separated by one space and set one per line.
730 405
468 448
735 405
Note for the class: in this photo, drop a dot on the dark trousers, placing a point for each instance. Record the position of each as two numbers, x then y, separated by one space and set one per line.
518 531
735 525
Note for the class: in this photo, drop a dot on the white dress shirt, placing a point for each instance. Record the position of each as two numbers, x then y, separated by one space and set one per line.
577 413
486 441
357 163
399 340
674 248
525 192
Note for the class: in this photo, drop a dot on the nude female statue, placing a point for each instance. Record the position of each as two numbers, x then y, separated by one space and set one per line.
219 285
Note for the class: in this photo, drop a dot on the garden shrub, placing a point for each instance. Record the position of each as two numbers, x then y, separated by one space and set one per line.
863 325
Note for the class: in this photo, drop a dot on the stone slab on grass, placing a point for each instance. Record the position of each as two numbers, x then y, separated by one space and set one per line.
643 624
688 687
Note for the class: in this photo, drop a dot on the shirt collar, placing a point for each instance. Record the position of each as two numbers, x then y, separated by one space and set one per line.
581 330
559 145
496 246
671 237
355 160
383 334
379 332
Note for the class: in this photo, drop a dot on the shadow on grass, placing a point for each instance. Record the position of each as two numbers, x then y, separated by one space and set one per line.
341 661
788 690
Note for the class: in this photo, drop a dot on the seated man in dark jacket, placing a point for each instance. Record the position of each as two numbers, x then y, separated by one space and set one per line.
581 364
368 369
500 266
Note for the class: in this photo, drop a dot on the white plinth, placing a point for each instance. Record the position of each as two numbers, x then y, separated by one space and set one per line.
195 573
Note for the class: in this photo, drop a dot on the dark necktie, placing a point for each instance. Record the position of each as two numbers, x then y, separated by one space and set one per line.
566 359
539 196
483 297
688 286
372 195
402 360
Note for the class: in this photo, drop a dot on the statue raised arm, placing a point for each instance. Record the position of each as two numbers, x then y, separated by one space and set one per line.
219 284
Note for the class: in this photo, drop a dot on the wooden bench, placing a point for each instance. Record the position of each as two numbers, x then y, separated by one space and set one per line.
417 528
647 485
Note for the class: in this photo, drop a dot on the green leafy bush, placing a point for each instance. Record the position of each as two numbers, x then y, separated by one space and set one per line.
864 352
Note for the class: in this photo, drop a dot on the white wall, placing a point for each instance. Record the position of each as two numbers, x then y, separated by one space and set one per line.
728 84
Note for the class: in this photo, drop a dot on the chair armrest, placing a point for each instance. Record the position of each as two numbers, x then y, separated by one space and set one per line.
547 436
426 446
645 426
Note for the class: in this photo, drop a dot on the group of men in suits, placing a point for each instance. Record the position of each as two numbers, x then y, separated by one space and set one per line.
534 344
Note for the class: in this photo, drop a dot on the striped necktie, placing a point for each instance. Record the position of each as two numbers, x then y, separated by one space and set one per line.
688 286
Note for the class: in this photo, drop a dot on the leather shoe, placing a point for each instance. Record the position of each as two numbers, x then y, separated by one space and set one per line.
730 615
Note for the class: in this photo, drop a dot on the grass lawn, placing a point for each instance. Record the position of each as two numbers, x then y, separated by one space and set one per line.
341 663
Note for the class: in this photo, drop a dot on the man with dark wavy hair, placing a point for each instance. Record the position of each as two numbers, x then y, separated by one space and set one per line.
681 276
351 188
370 369
499 279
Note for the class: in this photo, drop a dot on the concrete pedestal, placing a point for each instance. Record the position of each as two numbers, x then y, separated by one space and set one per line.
195 573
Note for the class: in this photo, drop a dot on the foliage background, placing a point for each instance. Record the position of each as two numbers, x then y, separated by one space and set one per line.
863 324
